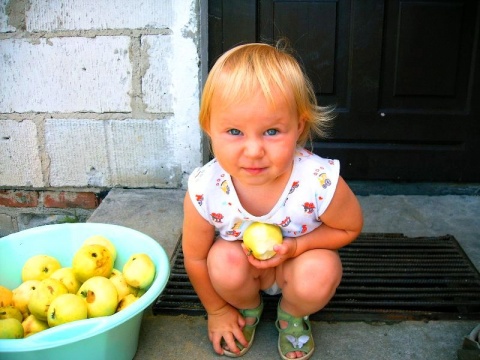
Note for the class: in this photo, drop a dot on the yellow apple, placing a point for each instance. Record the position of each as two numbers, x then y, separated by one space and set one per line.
102 240
139 271
5 296
10 312
66 308
31 325
22 295
67 277
126 301
100 295
120 283
260 238
92 260
39 267
42 297
11 328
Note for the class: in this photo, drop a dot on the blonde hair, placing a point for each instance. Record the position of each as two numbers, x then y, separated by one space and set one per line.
239 72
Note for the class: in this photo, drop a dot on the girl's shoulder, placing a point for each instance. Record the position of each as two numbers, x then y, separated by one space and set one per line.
306 161
206 172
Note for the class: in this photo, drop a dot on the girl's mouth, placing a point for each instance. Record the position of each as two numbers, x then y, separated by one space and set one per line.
254 171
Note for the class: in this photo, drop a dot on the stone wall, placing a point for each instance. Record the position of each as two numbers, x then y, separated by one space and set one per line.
96 94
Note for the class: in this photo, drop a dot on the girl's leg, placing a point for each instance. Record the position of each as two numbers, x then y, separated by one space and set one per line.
308 283
232 276
238 283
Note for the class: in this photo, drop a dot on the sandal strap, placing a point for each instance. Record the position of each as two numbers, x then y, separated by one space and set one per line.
297 336
248 330
254 313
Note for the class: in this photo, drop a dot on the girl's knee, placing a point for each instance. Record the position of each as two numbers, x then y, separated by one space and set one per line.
227 264
317 276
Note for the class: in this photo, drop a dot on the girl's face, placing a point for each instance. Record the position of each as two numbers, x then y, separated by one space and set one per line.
255 141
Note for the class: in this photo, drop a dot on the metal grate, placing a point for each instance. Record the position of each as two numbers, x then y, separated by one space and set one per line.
387 277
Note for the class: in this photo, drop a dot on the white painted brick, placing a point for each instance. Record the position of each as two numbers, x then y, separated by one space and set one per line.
20 163
51 15
4 26
186 89
77 151
65 75
132 153
157 87
143 152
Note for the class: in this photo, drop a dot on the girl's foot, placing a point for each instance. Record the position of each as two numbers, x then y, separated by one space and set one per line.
295 339
252 318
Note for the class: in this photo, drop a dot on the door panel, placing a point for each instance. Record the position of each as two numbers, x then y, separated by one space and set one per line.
402 74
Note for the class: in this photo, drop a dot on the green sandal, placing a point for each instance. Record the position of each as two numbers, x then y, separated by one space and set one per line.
295 337
248 330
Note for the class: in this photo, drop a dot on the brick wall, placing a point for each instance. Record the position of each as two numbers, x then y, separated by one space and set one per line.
95 94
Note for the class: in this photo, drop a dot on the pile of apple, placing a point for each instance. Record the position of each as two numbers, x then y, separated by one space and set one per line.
51 295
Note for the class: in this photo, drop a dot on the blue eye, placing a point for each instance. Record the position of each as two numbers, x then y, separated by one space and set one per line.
271 132
234 132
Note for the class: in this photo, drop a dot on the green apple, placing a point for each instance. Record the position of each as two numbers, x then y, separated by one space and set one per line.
260 238
126 301
92 260
5 296
100 295
39 267
67 277
31 325
138 292
22 295
123 289
139 271
42 297
66 308
10 312
102 240
11 328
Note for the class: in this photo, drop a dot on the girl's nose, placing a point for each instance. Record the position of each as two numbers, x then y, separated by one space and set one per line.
254 148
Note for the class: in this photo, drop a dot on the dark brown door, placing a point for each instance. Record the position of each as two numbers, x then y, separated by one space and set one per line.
404 77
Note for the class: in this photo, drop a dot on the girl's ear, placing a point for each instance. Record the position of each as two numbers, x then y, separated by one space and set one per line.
302 119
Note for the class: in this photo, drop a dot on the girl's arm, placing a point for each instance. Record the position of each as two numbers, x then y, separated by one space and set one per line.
342 222
197 239
224 321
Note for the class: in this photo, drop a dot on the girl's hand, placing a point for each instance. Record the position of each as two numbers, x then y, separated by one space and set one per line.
284 251
227 324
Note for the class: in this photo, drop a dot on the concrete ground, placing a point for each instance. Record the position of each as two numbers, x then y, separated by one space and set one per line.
158 213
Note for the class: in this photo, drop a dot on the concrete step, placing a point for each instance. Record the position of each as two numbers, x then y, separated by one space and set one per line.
158 213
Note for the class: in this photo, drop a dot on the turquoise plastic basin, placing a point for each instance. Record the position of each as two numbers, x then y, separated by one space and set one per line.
110 337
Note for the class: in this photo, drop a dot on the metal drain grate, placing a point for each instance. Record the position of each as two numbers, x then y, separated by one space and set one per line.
387 277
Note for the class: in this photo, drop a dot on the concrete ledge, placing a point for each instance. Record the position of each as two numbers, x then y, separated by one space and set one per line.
157 213
390 188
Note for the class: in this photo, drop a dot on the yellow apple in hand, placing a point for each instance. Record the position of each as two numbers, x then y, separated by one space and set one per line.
5 296
139 271
42 297
260 238
39 267
22 295
66 308
100 295
31 325
11 328
67 277
92 260
102 240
